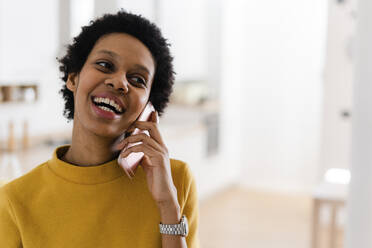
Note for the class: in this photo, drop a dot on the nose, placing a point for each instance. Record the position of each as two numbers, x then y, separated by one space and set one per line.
119 83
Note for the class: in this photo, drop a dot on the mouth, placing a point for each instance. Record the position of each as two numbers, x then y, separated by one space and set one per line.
107 105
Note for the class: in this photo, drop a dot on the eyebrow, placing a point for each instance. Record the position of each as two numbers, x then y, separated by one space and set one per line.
116 56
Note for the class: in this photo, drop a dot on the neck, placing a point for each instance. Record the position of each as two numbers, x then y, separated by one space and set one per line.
89 149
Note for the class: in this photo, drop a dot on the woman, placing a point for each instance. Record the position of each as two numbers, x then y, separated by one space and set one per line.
81 197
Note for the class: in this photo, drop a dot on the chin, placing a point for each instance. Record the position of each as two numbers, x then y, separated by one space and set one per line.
100 128
106 133
103 130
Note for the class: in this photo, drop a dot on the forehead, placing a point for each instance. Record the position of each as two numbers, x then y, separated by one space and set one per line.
128 48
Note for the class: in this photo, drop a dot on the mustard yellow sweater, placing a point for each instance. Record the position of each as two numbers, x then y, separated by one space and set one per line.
62 205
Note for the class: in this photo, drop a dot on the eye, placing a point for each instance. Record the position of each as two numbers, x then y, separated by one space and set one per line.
138 80
105 65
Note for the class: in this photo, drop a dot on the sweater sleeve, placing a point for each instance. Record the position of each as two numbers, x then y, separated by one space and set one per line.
191 209
9 233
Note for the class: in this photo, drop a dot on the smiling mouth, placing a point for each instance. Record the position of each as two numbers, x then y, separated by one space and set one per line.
107 106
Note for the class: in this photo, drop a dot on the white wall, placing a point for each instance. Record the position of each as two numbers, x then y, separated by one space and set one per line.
27 40
215 14
29 45
278 77
81 13
359 219
338 78
146 8
2 26
183 24
230 92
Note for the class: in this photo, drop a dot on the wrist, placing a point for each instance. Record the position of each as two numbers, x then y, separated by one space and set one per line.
170 213
169 203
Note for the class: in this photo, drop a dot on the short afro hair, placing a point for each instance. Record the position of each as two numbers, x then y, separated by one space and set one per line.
121 22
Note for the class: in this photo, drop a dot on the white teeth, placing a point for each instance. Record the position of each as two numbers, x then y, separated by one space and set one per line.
105 108
108 101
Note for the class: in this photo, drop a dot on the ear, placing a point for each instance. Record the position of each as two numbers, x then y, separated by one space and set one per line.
72 80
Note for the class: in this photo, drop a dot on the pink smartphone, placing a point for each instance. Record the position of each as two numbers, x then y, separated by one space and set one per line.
131 162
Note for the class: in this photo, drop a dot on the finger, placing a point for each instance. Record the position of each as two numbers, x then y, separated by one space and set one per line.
139 148
152 128
144 138
154 117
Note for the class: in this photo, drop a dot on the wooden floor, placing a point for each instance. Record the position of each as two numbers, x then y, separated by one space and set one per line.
247 218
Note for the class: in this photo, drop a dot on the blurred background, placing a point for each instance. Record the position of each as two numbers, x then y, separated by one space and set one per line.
261 111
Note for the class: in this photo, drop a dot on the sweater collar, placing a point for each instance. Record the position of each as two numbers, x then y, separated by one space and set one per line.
83 175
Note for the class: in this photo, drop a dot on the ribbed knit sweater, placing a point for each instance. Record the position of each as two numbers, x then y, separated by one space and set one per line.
58 204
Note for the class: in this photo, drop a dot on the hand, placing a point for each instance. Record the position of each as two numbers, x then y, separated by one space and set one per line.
155 162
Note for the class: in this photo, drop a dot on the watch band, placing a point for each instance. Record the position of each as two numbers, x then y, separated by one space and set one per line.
177 229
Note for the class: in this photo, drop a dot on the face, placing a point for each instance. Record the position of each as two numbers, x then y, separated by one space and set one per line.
113 86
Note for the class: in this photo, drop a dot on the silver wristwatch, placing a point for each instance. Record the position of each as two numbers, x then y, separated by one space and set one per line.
178 229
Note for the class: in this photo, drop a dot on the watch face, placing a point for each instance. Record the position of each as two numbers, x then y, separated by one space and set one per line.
186 225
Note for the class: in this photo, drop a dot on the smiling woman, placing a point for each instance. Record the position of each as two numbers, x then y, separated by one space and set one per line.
81 197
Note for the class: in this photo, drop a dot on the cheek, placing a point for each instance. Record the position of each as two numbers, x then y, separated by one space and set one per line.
84 88
78 94
138 103
141 99
81 99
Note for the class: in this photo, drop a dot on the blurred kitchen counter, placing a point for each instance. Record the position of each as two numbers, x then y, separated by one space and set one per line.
39 151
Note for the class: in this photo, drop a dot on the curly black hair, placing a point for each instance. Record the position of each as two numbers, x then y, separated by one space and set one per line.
121 22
